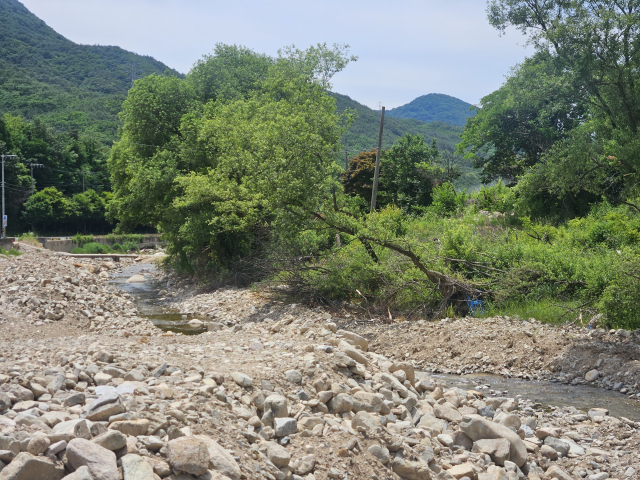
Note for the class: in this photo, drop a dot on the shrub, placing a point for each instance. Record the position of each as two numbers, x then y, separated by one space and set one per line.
130 246
117 247
81 240
446 201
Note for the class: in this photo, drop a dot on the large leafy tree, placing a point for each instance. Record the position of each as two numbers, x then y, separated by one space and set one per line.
573 110
220 166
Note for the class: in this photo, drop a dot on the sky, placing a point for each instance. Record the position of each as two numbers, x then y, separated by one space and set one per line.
406 48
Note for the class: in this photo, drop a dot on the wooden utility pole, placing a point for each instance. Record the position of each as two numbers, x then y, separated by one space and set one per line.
374 191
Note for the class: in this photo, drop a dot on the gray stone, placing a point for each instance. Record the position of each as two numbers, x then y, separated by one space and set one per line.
38 445
366 422
497 448
304 465
56 384
293 376
558 445
487 411
341 403
57 447
220 459
132 428
100 461
27 467
278 455
460 439
362 342
410 470
134 376
189 455
446 412
73 400
380 452
159 371
241 379
592 375
134 467
478 428
5 402
80 474
285 426
111 440
275 406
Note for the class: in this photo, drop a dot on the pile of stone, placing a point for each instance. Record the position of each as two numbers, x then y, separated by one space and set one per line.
100 414
40 288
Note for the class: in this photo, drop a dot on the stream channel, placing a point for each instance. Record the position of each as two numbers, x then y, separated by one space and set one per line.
147 298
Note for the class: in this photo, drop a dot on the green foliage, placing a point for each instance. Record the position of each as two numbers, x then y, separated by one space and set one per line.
11 252
130 246
494 198
409 174
435 107
224 173
446 201
566 124
81 240
128 237
93 248
49 210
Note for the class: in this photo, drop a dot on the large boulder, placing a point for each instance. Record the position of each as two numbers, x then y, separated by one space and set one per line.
27 467
479 428
134 467
220 458
188 455
100 461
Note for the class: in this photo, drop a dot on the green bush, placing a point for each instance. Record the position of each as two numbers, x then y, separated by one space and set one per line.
81 240
93 248
446 201
11 252
130 246
117 247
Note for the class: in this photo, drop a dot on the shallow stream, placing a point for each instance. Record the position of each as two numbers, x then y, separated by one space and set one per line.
147 298
548 393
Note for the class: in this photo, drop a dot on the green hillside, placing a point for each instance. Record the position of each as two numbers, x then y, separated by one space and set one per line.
363 135
435 107
70 86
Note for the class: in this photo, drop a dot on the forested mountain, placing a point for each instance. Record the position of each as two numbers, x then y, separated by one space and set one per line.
363 133
70 86
435 107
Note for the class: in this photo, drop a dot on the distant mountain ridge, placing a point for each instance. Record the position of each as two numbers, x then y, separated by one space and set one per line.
72 86
435 107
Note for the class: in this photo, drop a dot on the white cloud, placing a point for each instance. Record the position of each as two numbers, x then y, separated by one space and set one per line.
407 48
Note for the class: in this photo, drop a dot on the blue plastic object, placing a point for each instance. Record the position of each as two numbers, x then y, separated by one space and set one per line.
475 306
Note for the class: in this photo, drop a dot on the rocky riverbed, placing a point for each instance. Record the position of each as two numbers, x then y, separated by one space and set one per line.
89 389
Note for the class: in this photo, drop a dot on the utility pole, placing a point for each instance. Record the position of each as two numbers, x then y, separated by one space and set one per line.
34 165
4 217
83 174
376 174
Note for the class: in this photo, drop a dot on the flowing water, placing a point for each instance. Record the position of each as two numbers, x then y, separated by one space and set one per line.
548 393
148 300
